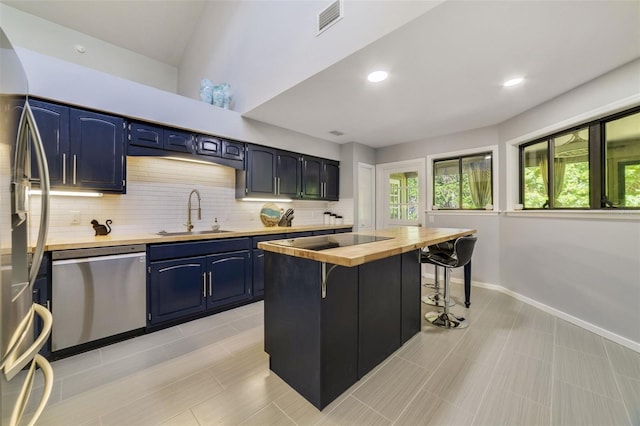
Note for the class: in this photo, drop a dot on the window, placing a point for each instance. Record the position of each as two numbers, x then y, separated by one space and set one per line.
596 165
403 196
622 161
400 193
464 182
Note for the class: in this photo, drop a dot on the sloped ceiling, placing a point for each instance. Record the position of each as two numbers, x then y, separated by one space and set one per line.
159 29
446 66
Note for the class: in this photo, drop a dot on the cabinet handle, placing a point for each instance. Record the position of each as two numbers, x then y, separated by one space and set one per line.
204 284
210 284
64 169
75 167
275 185
278 186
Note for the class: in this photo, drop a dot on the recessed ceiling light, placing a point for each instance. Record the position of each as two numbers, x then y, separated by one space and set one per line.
377 76
80 48
513 82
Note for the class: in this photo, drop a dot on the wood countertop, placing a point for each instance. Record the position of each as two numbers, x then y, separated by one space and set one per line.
151 238
403 239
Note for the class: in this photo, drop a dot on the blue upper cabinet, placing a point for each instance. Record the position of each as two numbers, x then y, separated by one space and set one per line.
97 159
320 179
331 172
157 137
208 145
288 175
84 149
275 174
270 173
145 135
259 179
176 140
147 139
312 178
53 125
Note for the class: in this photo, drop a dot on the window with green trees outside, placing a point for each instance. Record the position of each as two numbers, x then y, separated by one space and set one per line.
463 183
594 166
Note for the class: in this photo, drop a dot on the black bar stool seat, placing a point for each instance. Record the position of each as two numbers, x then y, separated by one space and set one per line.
460 256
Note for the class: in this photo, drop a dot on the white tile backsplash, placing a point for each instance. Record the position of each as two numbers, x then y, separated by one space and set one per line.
156 199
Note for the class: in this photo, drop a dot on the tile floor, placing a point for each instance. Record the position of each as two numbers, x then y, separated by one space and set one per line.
514 365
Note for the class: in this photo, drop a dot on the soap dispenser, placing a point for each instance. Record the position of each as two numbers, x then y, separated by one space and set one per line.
216 225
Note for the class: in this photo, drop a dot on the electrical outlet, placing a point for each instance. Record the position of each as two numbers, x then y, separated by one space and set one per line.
75 217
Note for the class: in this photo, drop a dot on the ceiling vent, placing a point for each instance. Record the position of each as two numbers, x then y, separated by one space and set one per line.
336 133
329 16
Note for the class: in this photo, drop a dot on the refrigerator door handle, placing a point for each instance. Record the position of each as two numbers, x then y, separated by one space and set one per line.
25 392
13 364
28 121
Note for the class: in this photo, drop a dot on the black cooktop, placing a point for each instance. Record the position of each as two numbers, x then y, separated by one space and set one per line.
324 242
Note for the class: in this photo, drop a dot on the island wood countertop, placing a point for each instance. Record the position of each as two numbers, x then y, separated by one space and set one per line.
115 239
403 239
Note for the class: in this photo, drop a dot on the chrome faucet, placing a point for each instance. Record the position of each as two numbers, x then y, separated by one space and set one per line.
189 224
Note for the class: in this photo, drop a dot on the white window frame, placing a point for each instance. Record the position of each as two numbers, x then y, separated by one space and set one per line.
495 165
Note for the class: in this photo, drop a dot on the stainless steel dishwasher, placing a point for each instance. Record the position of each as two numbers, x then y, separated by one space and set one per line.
97 293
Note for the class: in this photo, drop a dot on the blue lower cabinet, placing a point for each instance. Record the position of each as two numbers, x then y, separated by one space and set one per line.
229 278
177 288
343 230
191 286
258 273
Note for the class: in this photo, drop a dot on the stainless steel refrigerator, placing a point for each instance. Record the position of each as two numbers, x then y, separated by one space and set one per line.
20 259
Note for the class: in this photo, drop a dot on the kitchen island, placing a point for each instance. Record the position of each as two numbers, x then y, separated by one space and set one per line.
337 306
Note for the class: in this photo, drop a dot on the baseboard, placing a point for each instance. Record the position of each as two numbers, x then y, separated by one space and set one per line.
628 343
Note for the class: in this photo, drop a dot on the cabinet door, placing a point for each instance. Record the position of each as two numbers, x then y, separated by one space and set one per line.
261 171
208 145
177 288
288 174
175 140
142 134
331 180
53 125
312 178
233 150
97 151
258 272
229 279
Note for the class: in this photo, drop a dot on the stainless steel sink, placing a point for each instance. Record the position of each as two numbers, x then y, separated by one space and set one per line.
174 234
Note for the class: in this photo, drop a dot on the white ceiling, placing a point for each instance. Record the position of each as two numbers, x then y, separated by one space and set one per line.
159 29
446 67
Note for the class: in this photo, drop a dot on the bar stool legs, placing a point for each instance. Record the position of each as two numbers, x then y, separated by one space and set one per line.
435 298
446 319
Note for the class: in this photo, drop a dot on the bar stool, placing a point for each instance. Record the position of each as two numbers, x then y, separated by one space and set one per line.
461 255
436 298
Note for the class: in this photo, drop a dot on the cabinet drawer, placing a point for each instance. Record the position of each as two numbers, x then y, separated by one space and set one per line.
198 248
175 140
145 135
232 150
208 145
271 237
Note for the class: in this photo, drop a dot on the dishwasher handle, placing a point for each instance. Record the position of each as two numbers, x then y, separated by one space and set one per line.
142 255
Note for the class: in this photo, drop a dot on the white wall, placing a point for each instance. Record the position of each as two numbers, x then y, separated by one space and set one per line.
246 43
55 79
33 33
585 269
